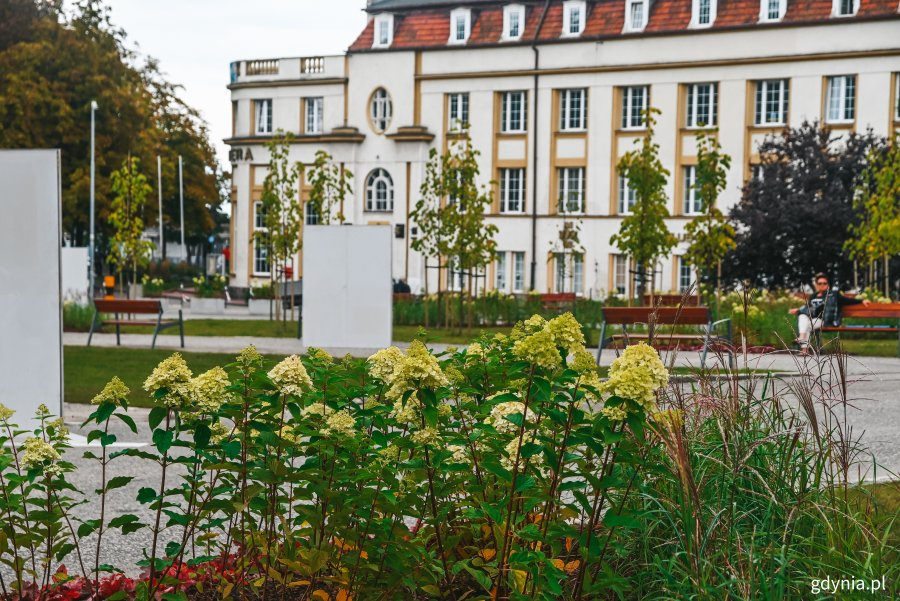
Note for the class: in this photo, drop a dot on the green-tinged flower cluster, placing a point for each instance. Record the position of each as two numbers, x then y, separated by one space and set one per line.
219 432
566 332
317 410
418 369
538 349
426 437
5 414
115 391
320 355
210 390
173 376
57 429
249 359
290 377
614 414
339 423
636 375
37 452
501 410
383 363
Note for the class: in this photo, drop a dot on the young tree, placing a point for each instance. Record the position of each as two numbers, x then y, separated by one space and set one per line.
643 235
450 214
329 186
282 209
565 248
710 236
877 233
792 219
130 189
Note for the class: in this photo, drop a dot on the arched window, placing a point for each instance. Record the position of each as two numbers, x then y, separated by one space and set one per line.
379 191
380 110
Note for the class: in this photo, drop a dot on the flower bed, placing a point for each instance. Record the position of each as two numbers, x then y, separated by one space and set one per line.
505 470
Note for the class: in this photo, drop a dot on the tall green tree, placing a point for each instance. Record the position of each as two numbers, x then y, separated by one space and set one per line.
710 236
644 235
283 211
128 250
329 186
876 236
53 63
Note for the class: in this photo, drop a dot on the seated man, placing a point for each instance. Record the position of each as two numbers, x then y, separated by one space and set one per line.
822 308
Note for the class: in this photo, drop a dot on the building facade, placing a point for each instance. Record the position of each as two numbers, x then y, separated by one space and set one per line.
552 93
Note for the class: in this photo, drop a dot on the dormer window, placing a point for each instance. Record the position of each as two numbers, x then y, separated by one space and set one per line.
460 25
844 8
772 10
384 31
574 16
513 21
636 15
703 13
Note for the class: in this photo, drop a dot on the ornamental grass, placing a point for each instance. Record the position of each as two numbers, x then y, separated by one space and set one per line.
505 470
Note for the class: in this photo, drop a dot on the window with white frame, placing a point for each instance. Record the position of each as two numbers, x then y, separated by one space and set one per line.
458 109
701 104
500 275
627 196
513 21
772 10
379 191
634 107
685 275
518 265
262 110
691 197
571 190
380 110
512 112
460 25
512 190
572 109
260 240
574 16
384 31
314 115
771 102
844 8
569 273
703 13
840 99
310 215
636 15
620 275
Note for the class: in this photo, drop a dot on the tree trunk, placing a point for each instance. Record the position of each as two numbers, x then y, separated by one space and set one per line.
887 277
425 300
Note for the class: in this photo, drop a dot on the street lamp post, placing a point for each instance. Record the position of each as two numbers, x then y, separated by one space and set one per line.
181 203
91 238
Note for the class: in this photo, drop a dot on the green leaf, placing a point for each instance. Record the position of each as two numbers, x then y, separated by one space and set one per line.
232 449
157 414
146 495
107 439
202 435
87 527
172 549
128 421
162 439
524 483
530 449
118 482
621 521
105 409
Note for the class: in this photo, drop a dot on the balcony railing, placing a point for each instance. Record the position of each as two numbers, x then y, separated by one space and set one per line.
262 67
312 65
304 67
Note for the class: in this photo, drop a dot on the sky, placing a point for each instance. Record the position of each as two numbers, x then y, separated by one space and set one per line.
195 40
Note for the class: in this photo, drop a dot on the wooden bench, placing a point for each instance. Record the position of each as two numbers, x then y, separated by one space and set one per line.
558 301
881 311
671 300
669 316
123 310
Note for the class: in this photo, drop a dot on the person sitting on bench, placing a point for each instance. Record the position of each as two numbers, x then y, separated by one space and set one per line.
822 308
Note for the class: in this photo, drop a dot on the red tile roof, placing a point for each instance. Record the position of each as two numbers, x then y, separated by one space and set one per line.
428 26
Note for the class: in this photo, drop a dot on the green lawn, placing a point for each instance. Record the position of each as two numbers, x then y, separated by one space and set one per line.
262 328
88 369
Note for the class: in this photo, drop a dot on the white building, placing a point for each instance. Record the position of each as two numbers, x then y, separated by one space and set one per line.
553 92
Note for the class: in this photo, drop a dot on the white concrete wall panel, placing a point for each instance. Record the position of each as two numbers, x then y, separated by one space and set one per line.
30 296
